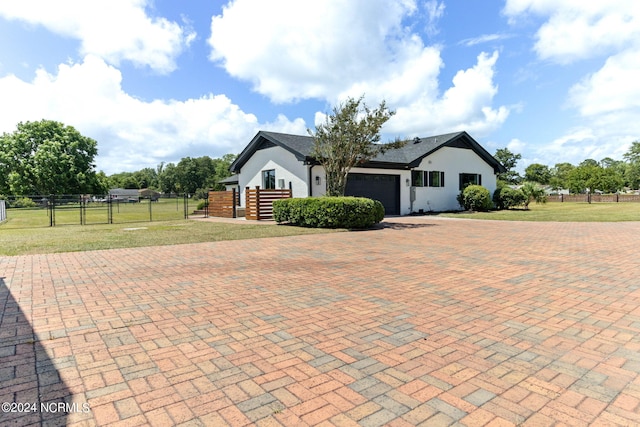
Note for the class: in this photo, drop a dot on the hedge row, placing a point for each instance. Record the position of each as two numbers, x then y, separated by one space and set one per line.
329 212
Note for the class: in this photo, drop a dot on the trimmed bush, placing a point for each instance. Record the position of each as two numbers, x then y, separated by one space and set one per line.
507 198
24 202
475 198
329 212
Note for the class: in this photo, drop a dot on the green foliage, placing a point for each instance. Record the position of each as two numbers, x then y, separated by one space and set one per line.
509 160
506 197
47 157
329 212
632 169
537 172
594 177
559 175
532 192
202 203
23 202
475 198
190 175
349 137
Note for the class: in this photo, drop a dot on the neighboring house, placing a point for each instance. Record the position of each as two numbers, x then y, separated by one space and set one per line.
230 183
425 175
122 194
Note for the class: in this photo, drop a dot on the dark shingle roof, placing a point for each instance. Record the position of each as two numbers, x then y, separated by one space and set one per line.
408 156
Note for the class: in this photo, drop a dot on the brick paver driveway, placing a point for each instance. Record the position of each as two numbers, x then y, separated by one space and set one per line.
426 321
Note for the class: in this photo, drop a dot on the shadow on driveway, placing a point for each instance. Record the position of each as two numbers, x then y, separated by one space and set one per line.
32 391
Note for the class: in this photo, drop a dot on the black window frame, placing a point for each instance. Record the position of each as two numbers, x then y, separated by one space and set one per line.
418 178
269 179
430 178
467 179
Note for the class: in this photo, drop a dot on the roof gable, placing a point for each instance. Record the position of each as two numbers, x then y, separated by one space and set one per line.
298 145
408 156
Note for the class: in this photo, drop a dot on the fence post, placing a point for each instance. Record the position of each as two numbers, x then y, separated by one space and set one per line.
233 190
185 205
52 210
150 210
110 210
258 203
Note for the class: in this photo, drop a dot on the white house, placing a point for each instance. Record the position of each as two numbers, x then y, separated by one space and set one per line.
424 175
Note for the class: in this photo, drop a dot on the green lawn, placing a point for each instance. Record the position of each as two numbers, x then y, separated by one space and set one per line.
27 231
562 212
23 241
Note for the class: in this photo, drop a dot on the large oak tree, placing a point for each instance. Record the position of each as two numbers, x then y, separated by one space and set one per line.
47 157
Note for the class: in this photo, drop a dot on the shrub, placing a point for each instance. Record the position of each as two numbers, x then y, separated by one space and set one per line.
507 198
24 202
329 212
475 198
201 204
532 192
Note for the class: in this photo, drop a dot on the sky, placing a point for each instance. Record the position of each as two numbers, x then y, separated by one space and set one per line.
157 80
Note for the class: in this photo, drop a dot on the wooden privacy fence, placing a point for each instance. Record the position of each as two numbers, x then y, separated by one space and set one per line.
594 198
259 202
223 203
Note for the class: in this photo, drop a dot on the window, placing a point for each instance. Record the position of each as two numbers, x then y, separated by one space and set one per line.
436 178
470 179
269 179
417 178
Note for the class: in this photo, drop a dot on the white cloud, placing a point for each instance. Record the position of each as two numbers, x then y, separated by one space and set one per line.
435 11
333 49
293 50
464 106
115 30
577 29
131 133
607 99
615 87
485 38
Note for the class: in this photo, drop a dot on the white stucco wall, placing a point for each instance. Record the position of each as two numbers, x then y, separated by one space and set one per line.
320 190
453 162
286 167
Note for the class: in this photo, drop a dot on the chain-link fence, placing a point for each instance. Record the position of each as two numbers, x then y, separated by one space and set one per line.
58 210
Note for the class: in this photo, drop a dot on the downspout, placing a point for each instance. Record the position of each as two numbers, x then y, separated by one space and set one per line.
310 181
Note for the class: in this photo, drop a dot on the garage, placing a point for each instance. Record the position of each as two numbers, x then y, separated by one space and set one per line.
382 187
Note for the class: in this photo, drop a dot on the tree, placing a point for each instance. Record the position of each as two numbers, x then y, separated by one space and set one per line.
222 171
537 172
168 179
47 157
532 192
509 160
347 138
632 170
592 177
559 175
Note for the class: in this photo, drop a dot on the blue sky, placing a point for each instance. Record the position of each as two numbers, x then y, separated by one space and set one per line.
155 81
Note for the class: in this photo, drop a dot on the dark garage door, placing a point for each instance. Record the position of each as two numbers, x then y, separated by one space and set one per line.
385 188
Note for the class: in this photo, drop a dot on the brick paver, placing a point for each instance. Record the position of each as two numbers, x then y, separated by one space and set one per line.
424 321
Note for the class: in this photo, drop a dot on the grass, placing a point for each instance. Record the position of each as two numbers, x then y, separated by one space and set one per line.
27 231
561 212
26 241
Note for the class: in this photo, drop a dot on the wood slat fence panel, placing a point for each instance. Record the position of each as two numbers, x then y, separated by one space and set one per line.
259 202
594 198
222 203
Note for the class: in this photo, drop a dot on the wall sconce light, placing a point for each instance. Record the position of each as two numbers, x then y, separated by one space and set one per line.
408 182
317 180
